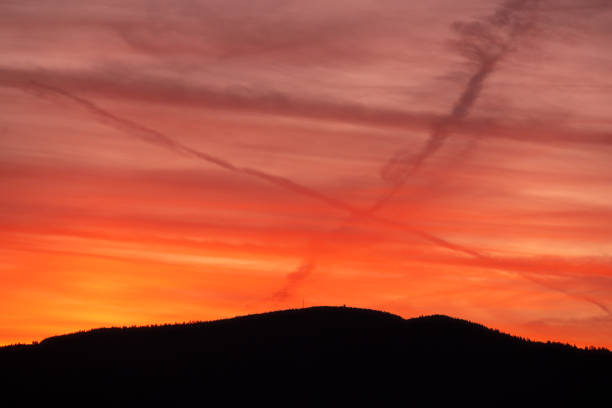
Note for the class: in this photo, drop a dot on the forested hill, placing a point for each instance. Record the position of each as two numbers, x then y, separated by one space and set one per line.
350 353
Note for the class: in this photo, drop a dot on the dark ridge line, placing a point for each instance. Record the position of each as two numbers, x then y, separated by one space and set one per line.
295 313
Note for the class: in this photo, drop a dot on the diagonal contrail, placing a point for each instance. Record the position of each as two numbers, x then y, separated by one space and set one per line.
160 139
157 138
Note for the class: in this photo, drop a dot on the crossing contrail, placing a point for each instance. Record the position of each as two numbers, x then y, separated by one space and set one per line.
486 47
484 43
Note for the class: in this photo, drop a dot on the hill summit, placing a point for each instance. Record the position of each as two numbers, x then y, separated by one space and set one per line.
349 352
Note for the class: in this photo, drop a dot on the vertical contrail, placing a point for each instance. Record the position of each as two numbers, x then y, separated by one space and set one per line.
293 279
483 43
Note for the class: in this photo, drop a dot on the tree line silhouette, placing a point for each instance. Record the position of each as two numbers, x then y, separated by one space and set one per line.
350 353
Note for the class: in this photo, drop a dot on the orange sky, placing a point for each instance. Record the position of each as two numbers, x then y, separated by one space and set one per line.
199 159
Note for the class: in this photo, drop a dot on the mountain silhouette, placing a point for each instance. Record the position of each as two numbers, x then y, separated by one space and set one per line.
341 354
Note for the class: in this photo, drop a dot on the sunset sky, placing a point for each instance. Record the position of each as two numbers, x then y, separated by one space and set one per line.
170 161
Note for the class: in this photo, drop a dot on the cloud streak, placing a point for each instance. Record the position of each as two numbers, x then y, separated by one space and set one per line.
120 83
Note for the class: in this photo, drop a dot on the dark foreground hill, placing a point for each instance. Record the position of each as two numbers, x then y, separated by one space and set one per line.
322 354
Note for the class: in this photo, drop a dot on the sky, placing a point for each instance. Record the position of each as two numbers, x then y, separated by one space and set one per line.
172 161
